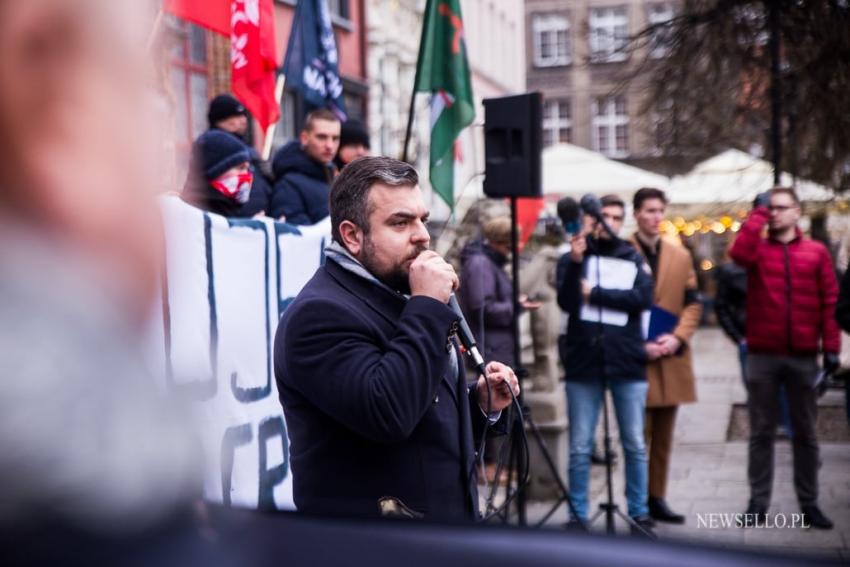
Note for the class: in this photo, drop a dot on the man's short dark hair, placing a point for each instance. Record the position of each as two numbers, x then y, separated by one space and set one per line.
319 114
612 201
646 193
780 190
349 198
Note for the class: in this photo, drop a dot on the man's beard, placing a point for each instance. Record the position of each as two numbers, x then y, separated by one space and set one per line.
396 277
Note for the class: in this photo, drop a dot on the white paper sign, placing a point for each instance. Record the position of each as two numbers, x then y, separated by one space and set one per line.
608 273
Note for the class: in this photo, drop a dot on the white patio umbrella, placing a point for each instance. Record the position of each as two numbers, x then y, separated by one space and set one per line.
735 177
574 171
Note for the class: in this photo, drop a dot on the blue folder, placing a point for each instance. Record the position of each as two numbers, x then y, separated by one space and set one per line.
661 322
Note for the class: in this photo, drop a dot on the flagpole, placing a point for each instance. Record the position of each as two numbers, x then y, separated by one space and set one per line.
409 120
278 95
412 109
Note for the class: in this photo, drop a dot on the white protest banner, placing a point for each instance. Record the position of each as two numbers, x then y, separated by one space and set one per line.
227 283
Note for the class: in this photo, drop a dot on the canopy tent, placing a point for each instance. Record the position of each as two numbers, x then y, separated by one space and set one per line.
734 178
574 171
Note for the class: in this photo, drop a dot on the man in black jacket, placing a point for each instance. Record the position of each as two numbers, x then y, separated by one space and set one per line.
730 306
604 286
304 170
379 414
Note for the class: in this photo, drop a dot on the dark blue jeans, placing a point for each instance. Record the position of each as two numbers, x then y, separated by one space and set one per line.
584 398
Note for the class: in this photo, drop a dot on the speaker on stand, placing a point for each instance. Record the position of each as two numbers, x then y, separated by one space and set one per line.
513 145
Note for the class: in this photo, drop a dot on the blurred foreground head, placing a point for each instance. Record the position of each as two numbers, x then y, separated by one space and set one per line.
77 122
86 440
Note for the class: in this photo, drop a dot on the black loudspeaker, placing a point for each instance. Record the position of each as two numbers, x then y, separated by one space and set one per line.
513 142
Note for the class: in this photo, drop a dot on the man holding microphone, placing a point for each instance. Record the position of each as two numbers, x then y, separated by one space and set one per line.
380 418
604 286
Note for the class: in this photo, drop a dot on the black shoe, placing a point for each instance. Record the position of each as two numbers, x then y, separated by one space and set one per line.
814 518
643 527
659 511
576 525
755 514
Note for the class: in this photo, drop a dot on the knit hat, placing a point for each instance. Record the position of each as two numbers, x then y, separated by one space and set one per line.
217 151
353 132
224 106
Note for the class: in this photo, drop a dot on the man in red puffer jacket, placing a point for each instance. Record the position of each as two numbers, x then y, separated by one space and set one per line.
790 318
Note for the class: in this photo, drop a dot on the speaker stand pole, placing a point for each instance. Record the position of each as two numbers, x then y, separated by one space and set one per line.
520 372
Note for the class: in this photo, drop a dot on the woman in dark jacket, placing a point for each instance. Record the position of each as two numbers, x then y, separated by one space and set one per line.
486 292
220 176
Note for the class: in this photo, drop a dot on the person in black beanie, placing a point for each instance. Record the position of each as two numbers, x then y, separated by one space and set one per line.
353 143
229 115
220 176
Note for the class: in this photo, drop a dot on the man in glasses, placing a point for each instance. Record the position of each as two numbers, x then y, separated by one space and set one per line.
790 307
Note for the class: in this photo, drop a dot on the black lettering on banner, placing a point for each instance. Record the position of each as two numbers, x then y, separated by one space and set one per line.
233 437
271 477
248 395
203 389
283 228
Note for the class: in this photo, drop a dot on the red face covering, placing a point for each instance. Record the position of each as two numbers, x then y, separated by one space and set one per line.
236 186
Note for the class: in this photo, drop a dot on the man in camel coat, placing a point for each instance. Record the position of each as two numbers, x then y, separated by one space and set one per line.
669 370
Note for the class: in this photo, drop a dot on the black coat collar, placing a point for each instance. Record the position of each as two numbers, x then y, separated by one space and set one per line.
385 303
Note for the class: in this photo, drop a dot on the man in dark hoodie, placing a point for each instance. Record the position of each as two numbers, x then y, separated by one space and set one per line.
220 176
229 115
604 285
303 171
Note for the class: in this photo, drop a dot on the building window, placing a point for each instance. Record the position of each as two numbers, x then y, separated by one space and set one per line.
609 32
551 40
557 122
659 15
286 125
611 126
189 82
339 8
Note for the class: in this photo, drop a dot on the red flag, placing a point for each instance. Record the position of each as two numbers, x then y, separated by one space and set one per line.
253 56
527 213
253 59
211 14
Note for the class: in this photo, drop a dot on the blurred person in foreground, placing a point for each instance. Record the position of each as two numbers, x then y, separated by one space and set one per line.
229 115
792 292
605 347
87 445
353 143
669 371
381 420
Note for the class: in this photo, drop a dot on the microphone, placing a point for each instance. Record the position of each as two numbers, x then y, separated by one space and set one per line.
591 205
464 333
569 212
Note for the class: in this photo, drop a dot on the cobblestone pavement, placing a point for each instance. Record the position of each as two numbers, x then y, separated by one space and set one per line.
708 474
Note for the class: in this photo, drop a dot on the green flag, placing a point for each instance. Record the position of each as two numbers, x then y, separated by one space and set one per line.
442 70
